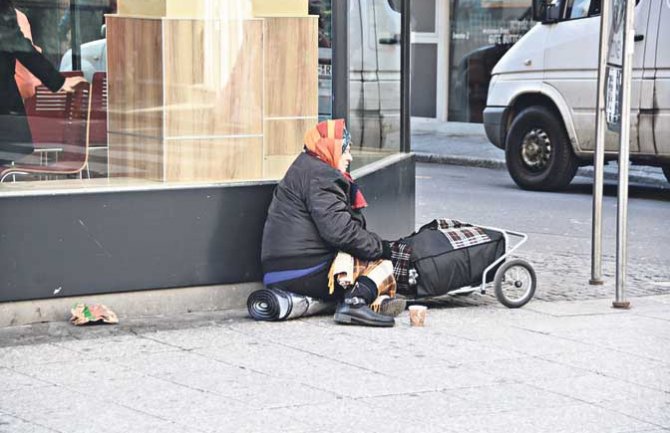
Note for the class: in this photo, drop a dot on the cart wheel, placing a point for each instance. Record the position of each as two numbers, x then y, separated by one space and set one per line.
515 283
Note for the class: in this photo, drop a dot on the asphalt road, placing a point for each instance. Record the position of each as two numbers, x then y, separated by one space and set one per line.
559 226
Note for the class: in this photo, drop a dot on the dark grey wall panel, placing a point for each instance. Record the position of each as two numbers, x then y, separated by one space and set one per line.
127 241
340 50
406 78
424 80
110 242
424 15
391 197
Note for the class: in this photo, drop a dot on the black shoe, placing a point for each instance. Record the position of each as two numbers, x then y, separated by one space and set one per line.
354 311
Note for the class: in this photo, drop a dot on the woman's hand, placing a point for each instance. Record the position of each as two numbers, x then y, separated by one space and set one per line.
71 83
387 252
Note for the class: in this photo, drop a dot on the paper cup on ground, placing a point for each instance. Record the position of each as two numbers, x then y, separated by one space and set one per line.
417 315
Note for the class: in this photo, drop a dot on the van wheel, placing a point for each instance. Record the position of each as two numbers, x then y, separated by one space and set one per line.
538 151
666 172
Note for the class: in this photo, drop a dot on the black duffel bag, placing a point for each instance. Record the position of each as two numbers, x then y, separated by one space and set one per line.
449 255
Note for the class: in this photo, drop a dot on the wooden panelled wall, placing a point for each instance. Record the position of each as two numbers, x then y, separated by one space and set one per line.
209 100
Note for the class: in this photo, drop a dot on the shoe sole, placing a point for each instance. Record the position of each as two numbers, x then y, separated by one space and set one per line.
345 319
393 307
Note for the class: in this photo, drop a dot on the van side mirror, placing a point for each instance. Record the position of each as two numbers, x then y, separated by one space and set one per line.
547 11
103 31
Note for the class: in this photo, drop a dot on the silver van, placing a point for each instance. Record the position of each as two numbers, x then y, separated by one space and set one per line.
541 101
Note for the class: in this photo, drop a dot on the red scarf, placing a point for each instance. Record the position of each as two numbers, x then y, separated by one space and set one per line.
355 194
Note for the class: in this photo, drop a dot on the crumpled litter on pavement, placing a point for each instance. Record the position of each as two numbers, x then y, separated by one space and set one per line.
83 314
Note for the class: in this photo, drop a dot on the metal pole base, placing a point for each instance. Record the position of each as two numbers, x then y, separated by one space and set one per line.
596 282
624 305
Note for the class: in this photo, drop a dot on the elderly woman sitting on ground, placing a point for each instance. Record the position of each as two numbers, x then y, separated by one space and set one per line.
315 241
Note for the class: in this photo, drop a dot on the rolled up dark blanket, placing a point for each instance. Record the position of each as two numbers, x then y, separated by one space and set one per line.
277 304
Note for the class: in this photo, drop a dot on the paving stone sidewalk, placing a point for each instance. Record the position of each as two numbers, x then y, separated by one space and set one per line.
549 367
562 275
573 364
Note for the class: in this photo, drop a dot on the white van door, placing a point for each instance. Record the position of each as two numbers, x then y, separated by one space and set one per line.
571 67
648 112
661 94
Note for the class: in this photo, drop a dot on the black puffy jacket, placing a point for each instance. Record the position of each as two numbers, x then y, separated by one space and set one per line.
310 219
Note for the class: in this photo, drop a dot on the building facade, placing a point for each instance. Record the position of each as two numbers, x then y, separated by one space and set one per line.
194 112
455 45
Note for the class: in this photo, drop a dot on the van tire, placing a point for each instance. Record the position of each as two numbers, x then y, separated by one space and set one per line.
538 152
666 172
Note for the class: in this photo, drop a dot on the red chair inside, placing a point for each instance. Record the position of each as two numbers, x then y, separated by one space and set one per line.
73 157
98 122
47 115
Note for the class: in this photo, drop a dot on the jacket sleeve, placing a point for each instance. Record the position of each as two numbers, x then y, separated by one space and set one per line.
13 42
327 205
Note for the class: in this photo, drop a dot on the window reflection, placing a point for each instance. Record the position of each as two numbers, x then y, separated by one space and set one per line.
323 9
374 70
482 31
170 110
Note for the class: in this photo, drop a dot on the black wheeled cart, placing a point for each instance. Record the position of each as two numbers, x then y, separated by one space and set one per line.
449 257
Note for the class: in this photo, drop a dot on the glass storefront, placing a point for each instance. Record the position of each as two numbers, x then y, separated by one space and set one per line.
324 10
158 171
375 78
482 31
177 100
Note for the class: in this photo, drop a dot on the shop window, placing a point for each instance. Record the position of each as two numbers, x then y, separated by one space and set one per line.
323 9
375 72
179 100
482 31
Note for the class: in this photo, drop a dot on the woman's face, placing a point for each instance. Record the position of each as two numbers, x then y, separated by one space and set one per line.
345 160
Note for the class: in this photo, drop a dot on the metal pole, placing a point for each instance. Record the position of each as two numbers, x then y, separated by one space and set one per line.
405 78
340 59
624 151
599 155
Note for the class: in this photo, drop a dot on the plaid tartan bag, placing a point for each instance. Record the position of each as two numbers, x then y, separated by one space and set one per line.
449 254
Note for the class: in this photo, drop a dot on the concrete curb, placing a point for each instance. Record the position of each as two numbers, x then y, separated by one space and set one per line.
634 177
498 164
466 161
147 303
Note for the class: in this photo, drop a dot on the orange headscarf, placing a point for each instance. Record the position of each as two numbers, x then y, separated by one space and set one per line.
325 141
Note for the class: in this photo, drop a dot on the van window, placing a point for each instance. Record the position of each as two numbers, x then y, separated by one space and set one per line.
582 9
396 5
